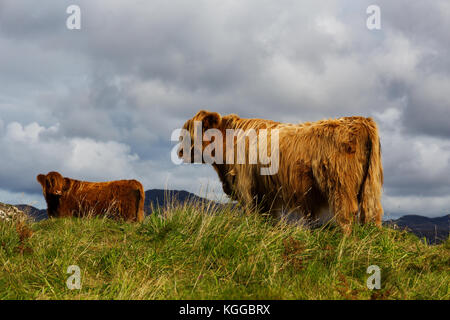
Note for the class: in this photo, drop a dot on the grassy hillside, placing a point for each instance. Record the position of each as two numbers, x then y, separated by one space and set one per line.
193 253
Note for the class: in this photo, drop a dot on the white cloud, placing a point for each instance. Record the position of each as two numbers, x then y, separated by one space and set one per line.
93 158
32 149
15 132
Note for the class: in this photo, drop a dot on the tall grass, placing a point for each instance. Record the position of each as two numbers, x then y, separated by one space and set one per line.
196 251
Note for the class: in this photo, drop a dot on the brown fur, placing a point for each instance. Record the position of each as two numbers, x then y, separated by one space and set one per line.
332 165
65 197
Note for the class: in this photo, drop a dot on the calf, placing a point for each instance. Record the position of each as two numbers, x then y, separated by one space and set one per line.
65 197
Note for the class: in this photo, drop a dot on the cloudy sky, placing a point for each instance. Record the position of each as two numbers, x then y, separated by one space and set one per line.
100 103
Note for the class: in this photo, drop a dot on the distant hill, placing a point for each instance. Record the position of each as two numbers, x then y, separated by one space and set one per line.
435 230
35 213
158 198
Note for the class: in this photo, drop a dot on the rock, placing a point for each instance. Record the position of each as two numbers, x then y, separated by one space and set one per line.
9 212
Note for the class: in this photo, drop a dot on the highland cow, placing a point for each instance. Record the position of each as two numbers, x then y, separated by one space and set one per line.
65 197
329 169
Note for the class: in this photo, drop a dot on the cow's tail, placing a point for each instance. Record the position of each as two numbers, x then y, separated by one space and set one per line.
371 187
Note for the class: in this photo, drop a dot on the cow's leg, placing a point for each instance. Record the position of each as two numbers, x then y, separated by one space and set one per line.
243 188
374 214
379 214
344 204
363 217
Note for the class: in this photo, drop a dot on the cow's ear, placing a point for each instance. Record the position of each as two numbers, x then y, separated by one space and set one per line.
41 179
211 120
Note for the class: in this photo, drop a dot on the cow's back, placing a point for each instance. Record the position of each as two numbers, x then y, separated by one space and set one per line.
122 199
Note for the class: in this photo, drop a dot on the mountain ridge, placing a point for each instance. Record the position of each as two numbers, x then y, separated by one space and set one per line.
435 230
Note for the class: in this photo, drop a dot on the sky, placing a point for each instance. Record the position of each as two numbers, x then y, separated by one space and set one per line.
100 103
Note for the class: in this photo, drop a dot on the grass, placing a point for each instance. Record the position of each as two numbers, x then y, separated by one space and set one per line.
195 252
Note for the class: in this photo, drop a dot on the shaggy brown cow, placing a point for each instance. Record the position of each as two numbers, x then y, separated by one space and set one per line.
123 199
327 169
